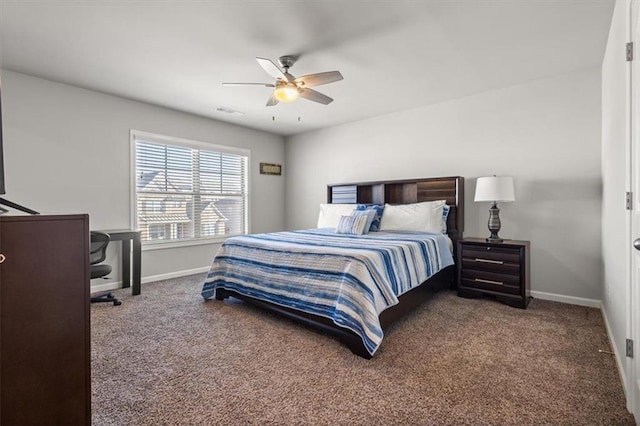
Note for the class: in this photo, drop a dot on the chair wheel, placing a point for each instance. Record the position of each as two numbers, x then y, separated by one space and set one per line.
117 303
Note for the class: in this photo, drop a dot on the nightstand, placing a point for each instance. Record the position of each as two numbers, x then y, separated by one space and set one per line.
496 269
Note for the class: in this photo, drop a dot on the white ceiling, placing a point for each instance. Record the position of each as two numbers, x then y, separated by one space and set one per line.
394 55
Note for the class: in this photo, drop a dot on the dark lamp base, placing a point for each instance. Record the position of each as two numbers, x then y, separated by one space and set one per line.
494 224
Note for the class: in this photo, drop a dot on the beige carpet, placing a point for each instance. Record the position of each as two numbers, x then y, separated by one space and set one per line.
168 357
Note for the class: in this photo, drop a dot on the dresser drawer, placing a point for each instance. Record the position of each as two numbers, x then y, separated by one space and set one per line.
503 283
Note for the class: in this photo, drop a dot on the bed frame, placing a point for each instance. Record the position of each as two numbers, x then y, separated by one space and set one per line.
450 189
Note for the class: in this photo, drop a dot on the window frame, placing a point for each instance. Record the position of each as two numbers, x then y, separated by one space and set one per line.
188 143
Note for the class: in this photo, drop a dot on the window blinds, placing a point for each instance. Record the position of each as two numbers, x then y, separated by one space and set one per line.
184 193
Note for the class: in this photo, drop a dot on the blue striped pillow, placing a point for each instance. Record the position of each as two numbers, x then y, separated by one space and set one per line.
445 215
375 224
353 224
370 214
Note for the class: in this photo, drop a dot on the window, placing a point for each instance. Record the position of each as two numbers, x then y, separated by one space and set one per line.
188 190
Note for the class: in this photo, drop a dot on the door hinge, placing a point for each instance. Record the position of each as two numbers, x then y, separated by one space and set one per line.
628 200
630 51
630 348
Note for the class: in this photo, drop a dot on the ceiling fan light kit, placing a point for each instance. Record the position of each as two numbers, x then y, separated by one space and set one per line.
287 88
286 92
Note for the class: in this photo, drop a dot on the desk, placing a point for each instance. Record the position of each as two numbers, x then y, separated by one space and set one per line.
128 236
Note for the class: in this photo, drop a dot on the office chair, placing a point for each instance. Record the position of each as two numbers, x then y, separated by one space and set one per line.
99 243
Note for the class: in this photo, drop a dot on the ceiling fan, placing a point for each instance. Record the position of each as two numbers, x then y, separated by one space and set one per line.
287 88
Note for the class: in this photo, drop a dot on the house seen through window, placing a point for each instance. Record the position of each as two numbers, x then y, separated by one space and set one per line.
187 193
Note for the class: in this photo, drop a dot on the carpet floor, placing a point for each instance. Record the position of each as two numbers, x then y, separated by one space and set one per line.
166 357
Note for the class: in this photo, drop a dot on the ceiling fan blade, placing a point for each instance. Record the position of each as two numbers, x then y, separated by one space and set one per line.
272 69
317 79
272 100
312 95
249 84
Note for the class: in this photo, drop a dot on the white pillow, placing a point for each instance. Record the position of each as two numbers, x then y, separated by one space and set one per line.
330 214
423 217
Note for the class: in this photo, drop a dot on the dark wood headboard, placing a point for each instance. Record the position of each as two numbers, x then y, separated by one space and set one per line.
407 191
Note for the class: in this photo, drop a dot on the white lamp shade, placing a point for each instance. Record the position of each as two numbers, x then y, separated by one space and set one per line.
495 188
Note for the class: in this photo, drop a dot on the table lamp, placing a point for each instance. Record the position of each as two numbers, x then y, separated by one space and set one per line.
494 189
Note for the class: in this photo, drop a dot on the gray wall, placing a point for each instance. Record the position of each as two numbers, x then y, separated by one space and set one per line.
68 150
546 134
615 165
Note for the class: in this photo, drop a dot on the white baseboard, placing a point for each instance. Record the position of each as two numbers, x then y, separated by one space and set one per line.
616 354
571 300
177 274
106 286
114 285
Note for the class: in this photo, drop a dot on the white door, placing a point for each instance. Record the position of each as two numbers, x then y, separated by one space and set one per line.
633 364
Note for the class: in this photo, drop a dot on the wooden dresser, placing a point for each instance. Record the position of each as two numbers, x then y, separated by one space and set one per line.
45 358
497 269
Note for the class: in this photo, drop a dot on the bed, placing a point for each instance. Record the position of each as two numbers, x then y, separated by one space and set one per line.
352 286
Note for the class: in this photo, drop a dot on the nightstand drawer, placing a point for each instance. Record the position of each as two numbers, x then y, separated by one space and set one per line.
492 254
493 265
502 283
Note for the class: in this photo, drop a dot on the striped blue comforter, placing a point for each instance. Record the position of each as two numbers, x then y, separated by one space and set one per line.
346 278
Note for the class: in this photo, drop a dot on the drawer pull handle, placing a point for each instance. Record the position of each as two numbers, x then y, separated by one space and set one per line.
480 280
497 262
2 258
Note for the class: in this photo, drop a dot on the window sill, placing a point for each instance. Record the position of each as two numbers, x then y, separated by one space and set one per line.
160 245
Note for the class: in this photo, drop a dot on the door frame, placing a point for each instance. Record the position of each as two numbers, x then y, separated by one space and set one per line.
633 312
